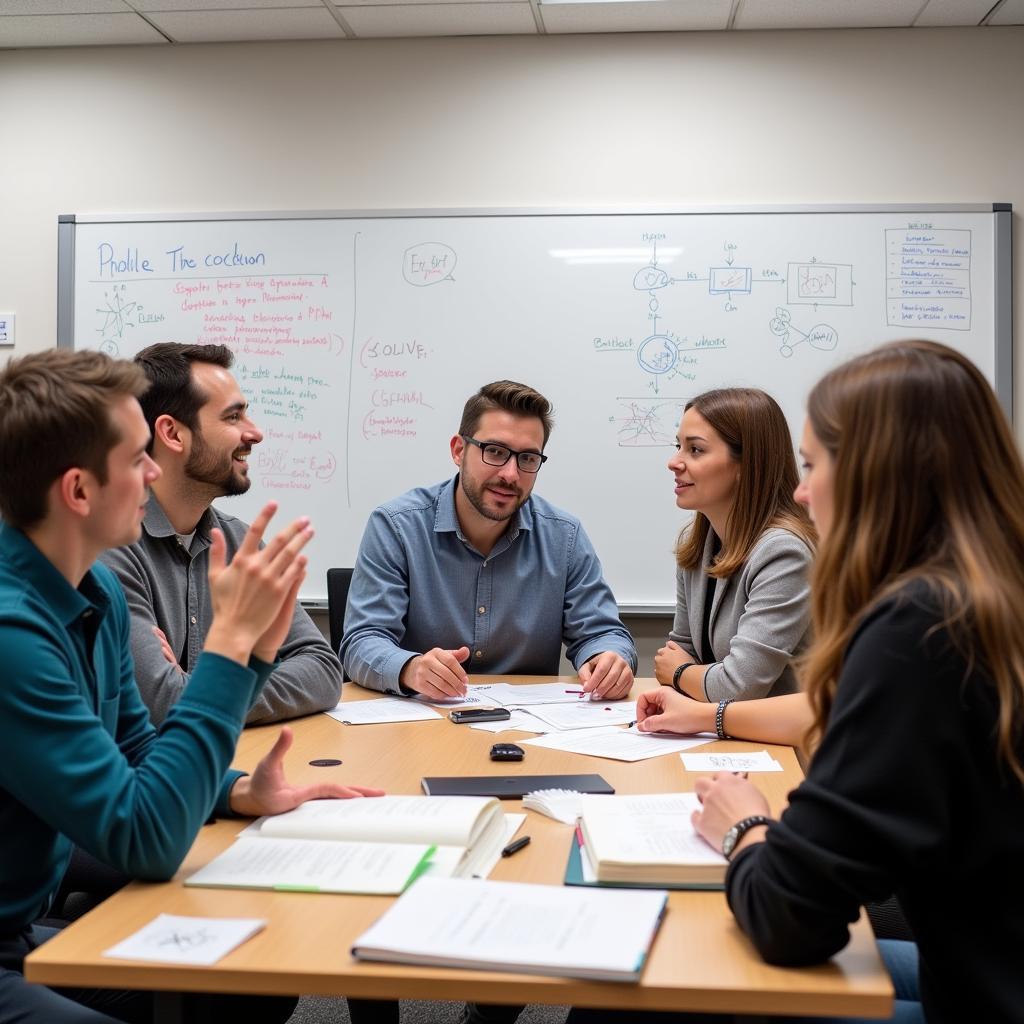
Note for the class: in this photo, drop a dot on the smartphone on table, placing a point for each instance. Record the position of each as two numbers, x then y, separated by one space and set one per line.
467 716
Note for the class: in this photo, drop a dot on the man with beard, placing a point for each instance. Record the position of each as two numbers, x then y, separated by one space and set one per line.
201 439
476 574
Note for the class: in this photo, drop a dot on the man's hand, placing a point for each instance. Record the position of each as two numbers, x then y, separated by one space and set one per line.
267 791
267 646
438 673
165 648
606 676
253 597
667 660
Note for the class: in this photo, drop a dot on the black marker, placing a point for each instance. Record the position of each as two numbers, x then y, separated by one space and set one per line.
515 847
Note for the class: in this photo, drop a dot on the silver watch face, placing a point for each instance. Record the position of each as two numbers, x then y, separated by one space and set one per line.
729 841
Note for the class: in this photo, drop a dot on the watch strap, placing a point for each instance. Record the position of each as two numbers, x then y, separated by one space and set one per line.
740 829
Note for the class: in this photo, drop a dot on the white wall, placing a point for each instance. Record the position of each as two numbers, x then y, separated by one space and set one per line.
925 115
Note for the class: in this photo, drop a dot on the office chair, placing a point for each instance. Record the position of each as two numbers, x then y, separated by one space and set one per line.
338 581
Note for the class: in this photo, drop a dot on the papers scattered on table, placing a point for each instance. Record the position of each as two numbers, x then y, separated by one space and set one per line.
618 744
585 714
385 709
510 926
472 699
756 761
522 720
171 939
532 693
561 804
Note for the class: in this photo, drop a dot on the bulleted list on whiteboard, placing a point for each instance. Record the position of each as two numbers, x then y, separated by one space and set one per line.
928 278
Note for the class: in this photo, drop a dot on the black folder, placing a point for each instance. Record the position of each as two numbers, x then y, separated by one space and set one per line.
510 787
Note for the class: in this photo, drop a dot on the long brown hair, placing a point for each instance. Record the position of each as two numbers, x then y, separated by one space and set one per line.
755 430
927 484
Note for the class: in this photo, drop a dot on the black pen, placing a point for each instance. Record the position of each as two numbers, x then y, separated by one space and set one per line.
515 847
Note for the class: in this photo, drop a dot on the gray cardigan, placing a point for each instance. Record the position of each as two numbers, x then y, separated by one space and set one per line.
760 618
168 587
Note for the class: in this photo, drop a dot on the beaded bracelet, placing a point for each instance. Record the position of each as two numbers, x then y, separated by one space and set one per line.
677 675
720 719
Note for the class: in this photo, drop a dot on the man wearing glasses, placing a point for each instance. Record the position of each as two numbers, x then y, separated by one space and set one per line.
476 575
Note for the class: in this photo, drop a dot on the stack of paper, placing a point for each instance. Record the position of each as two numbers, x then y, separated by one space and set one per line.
561 804
647 840
510 926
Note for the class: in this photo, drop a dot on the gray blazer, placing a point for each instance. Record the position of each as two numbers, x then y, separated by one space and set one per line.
760 618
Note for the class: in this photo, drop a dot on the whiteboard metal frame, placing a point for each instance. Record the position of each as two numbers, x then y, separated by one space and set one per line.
1002 264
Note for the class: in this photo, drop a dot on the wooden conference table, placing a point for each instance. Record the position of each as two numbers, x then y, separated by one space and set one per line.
700 959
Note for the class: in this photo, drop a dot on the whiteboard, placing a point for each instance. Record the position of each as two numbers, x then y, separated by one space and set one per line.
358 337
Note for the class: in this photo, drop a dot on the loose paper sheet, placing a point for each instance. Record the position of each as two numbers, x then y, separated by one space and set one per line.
524 721
756 761
535 693
585 714
172 939
617 744
386 709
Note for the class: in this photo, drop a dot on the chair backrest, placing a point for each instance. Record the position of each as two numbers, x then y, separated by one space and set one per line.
338 581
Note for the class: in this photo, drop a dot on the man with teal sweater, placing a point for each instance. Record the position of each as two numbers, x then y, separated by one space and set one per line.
82 765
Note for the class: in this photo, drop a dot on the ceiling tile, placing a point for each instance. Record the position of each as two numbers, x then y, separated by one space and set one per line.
10 7
1011 13
76 30
147 6
639 16
247 26
953 12
459 19
778 14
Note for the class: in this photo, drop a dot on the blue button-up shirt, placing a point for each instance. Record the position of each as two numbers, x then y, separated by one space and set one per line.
419 583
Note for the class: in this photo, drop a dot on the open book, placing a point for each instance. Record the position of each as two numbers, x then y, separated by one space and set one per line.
512 926
646 841
373 845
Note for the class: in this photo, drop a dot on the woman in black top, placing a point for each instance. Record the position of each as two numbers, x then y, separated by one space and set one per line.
916 684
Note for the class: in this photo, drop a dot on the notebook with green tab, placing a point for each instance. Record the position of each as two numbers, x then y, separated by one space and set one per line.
377 845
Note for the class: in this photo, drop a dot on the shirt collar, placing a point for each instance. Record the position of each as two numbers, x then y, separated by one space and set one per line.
447 519
66 602
156 523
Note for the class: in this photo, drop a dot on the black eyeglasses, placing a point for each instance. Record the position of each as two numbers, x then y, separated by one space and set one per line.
498 454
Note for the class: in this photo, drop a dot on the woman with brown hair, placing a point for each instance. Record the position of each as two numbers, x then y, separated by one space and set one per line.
743 599
916 683
915 693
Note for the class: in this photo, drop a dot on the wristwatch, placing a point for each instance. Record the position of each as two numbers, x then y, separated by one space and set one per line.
739 830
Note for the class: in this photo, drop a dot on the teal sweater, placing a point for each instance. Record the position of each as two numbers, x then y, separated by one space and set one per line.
81 763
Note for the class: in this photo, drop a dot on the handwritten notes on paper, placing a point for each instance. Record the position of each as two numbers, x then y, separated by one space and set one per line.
172 939
756 761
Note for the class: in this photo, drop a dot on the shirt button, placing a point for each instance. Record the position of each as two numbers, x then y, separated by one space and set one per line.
481 610
479 654
193 620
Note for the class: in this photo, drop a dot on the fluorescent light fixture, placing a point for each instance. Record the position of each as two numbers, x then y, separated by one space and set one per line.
545 3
